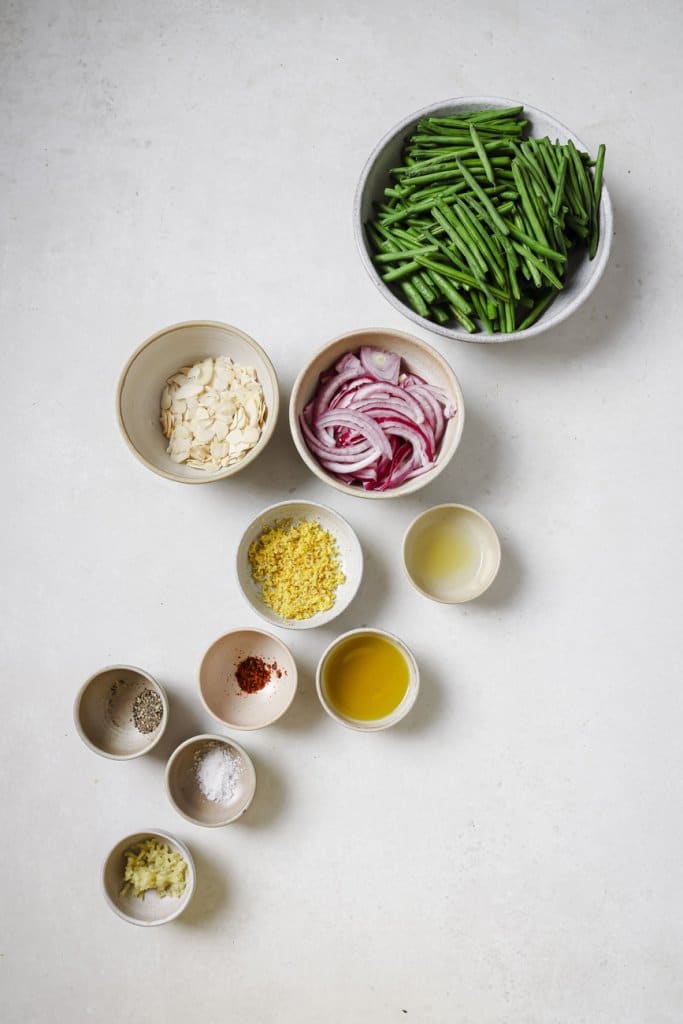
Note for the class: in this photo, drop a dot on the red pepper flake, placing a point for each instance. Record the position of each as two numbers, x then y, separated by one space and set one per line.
252 674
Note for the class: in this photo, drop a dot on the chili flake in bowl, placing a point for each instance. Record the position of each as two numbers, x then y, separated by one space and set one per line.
247 679
299 564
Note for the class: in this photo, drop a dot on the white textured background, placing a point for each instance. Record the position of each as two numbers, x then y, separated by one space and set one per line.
511 854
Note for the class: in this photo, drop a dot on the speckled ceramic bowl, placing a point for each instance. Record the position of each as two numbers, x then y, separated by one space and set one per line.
350 552
418 357
584 274
144 375
219 685
183 789
103 712
151 909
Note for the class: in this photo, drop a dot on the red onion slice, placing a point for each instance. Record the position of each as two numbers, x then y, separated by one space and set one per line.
370 424
380 364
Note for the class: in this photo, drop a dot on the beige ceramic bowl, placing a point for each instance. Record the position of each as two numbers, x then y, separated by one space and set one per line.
584 274
475 551
103 712
221 692
183 788
152 909
420 358
375 724
351 557
146 372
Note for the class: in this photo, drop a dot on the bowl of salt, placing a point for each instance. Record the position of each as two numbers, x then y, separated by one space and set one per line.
210 780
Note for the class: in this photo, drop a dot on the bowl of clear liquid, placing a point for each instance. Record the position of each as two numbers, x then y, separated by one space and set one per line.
451 553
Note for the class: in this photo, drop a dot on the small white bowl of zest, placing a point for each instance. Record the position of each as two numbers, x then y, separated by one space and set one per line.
451 553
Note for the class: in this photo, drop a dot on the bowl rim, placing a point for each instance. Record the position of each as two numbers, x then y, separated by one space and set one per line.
184 900
77 707
332 612
266 433
377 724
293 686
453 333
477 515
215 737
411 486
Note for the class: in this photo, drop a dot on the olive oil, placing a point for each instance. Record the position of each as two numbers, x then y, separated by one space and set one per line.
365 677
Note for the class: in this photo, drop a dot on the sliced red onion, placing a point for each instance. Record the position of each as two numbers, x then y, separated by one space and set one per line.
371 424
380 364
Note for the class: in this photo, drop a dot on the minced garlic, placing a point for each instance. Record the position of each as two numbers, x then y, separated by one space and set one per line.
152 865
298 567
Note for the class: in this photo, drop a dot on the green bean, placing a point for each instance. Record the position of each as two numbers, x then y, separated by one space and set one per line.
539 247
483 199
597 189
399 272
390 257
414 298
469 241
477 222
597 173
559 188
482 154
543 268
451 293
536 311
468 324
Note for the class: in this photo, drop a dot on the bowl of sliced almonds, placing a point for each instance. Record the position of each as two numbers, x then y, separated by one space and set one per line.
198 401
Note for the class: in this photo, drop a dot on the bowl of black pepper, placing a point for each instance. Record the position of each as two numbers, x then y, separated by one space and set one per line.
247 679
121 712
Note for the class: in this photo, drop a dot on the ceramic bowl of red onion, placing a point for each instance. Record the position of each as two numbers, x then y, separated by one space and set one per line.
377 413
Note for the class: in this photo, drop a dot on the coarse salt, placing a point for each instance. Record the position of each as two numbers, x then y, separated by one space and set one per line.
218 772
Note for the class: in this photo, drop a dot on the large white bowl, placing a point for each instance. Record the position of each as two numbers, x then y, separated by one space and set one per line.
418 357
144 375
583 274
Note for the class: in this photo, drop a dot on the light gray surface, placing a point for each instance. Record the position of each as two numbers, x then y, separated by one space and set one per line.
510 853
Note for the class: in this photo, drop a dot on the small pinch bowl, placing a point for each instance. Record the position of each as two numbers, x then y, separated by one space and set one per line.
104 721
475 531
584 274
221 693
373 724
139 392
350 551
419 358
183 789
152 909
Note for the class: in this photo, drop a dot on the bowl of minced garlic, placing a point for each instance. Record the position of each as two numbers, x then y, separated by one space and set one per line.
299 564
149 878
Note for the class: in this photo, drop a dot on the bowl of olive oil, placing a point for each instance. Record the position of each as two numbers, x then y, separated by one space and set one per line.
367 679
451 553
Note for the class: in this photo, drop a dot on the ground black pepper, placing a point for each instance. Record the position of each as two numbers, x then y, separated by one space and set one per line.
147 711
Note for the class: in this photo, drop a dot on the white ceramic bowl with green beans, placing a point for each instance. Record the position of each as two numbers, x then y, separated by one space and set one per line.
483 220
